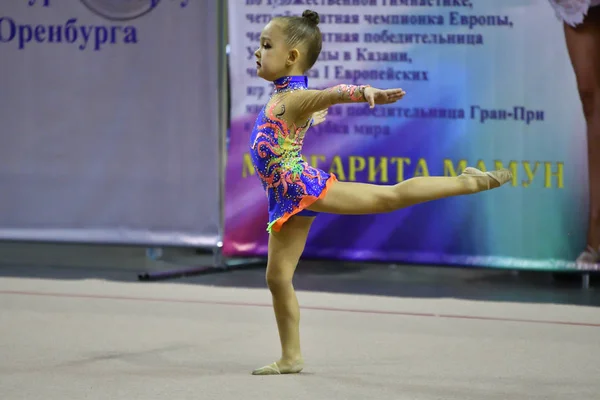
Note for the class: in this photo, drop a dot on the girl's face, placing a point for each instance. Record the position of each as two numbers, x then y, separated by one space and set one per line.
273 54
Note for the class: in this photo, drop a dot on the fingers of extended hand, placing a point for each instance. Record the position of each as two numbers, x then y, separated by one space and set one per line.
396 92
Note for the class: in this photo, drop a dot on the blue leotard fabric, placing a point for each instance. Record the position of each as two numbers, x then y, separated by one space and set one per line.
290 183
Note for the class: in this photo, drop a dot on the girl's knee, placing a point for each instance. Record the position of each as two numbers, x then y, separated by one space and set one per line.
389 200
587 102
278 281
589 94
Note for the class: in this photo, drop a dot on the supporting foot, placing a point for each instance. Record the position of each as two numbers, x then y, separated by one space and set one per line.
280 368
588 260
589 256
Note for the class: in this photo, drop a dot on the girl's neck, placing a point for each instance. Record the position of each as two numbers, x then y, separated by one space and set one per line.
291 82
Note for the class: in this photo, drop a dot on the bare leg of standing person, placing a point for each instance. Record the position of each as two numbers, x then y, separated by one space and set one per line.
285 249
583 44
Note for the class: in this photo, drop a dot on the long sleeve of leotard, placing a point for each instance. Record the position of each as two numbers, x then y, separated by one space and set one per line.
305 102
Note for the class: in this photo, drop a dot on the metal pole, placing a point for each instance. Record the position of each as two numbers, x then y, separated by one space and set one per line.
585 280
223 110
219 264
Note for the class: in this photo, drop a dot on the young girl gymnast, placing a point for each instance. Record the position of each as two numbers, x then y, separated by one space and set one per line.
297 192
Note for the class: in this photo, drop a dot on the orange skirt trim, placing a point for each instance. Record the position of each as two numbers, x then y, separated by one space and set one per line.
306 201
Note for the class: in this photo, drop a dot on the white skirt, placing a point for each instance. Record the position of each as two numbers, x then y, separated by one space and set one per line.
572 12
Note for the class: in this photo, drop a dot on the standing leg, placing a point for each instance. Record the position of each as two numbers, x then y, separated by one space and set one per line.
583 44
285 249
363 198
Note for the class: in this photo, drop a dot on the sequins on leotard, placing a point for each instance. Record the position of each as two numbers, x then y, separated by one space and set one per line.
290 183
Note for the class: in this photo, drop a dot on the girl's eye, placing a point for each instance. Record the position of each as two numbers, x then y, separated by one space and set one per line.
267 46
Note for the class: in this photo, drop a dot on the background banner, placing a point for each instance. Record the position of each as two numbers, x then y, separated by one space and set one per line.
108 114
489 84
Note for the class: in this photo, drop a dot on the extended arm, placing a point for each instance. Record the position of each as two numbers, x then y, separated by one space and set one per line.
307 102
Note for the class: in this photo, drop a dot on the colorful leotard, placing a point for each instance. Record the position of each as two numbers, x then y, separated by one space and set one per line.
290 183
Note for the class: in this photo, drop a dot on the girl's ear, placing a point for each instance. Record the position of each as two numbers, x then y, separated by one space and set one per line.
293 57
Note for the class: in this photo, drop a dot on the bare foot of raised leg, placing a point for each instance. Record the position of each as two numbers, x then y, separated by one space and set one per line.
480 181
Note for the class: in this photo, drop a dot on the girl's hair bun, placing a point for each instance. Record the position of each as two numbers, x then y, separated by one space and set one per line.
311 16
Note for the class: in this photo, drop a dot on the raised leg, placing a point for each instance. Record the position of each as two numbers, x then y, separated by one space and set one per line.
361 198
583 44
285 249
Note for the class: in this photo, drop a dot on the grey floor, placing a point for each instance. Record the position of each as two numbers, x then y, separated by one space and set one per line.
76 323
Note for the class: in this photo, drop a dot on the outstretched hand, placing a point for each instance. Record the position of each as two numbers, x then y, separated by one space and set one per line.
383 96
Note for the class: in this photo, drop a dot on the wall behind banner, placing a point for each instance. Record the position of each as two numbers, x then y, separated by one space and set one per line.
489 84
109 128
